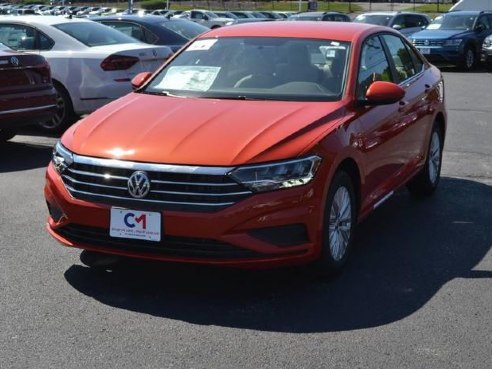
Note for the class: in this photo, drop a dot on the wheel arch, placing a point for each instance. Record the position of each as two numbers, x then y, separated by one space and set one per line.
349 166
62 86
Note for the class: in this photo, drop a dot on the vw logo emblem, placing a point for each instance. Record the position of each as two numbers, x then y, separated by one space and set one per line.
14 61
139 184
426 42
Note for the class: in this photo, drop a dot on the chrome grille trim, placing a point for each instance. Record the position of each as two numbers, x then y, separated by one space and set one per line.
121 164
84 173
172 187
149 201
201 193
92 184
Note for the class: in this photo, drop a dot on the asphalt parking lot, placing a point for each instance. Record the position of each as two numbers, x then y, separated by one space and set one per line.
416 293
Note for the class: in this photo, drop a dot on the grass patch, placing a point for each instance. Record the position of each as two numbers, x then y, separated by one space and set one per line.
430 8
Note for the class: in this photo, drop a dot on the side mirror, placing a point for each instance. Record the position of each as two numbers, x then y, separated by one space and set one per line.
205 17
140 79
383 93
480 27
398 27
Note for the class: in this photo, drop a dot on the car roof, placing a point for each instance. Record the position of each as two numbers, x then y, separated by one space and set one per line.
341 31
467 12
138 18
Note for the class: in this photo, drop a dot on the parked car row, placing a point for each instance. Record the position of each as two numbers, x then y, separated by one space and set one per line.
91 64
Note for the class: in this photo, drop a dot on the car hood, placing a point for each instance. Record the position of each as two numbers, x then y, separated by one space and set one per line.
197 131
438 34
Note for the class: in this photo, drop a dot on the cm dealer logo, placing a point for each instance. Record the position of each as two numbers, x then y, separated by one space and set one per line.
131 220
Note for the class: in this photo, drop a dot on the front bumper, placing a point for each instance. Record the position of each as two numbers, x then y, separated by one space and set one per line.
265 230
486 56
442 54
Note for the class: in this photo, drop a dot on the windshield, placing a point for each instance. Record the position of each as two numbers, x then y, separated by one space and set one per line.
453 21
94 34
187 30
257 68
378 19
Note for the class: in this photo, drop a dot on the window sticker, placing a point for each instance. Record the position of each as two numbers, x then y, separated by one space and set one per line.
194 78
202 45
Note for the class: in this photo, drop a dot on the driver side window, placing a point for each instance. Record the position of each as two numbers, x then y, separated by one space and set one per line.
374 66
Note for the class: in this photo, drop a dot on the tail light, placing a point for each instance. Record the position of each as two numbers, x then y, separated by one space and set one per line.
45 72
119 62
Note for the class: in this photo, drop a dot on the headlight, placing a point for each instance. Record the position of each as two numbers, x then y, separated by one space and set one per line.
453 42
275 176
61 158
487 42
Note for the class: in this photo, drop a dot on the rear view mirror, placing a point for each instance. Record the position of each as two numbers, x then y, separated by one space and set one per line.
383 93
140 79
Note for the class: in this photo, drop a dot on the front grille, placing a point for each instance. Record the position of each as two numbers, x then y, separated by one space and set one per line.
172 187
168 246
428 42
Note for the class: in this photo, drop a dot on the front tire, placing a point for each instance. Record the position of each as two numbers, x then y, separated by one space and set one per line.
469 59
425 183
338 225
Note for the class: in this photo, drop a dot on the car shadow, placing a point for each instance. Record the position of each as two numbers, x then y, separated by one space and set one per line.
404 253
17 156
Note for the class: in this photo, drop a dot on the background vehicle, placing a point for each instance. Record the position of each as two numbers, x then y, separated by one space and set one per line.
256 145
27 95
155 29
91 64
486 56
472 5
205 18
405 22
455 38
320 16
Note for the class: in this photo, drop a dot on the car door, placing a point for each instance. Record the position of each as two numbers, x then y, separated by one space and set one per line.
415 109
379 139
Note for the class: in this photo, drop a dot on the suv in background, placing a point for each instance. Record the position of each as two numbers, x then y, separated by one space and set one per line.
455 38
406 23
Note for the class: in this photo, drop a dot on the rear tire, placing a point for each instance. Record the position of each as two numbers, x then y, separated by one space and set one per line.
64 116
7 133
425 183
338 225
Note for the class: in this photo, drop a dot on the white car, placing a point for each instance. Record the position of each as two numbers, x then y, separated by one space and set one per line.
206 18
91 64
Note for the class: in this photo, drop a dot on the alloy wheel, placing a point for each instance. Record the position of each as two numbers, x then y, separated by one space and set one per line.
340 223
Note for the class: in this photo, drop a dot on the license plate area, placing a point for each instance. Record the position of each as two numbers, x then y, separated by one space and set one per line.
135 224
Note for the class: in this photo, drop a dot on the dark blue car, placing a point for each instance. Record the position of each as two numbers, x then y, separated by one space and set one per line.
155 29
455 38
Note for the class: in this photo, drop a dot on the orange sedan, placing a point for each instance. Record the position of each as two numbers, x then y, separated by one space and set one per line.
257 145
